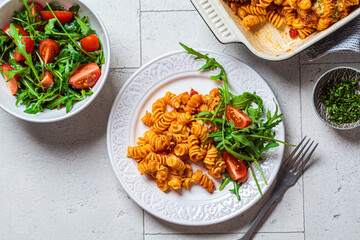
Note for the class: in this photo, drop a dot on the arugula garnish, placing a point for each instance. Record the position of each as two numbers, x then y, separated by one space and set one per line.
249 143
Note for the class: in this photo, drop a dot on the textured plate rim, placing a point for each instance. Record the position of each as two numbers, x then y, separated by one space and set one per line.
154 212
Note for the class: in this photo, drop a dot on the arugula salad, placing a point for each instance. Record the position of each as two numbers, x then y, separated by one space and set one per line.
243 129
50 57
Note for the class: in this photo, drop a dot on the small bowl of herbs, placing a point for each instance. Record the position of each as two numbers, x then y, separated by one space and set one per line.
336 98
54 58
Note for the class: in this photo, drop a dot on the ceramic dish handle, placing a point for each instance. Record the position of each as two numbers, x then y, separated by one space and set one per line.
214 18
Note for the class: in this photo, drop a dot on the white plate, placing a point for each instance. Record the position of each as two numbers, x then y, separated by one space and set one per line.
176 72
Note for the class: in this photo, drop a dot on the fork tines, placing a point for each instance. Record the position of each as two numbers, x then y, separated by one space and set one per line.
296 164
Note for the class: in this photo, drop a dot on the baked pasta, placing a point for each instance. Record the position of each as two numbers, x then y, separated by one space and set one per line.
302 16
175 140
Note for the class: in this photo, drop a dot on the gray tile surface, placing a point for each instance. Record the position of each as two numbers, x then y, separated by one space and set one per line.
56 180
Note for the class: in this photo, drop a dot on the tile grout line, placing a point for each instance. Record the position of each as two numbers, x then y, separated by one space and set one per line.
161 11
140 46
219 233
124 68
302 135
312 63
140 11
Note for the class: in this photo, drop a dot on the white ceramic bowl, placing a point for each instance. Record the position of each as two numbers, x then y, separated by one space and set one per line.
266 42
7 101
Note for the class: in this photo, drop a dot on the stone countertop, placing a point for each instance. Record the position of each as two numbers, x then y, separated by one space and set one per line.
56 180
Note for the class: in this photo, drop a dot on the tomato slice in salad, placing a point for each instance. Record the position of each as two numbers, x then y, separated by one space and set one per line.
48 50
244 178
90 43
12 84
36 9
29 43
63 16
47 80
235 167
21 31
85 76
237 117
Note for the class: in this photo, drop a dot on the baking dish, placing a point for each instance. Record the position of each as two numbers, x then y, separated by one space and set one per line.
265 40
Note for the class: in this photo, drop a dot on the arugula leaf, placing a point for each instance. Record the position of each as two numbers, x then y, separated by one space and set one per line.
21 47
249 143
75 9
84 26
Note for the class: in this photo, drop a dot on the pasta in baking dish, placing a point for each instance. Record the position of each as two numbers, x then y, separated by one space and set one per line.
175 140
302 16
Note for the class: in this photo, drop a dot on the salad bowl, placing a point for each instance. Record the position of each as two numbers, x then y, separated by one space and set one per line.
8 101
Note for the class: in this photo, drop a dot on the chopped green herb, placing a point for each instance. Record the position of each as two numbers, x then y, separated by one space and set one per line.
342 101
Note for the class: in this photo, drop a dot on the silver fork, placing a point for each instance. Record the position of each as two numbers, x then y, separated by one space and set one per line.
289 173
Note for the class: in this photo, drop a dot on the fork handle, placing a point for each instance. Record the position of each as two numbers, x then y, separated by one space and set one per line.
260 216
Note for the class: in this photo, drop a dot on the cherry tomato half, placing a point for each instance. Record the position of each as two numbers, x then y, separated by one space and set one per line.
293 33
244 178
48 50
12 84
85 76
235 167
47 80
193 92
30 44
36 9
21 31
63 16
90 43
237 117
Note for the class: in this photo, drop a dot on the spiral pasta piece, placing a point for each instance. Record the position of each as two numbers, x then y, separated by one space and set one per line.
264 3
159 159
199 130
139 152
147 119
158 109
181 149
184 97
174 182
204 181
211 156
175 127
304 32
252 20
253 10
164 122
323 23
195 153
184 118
187 182
145 167
176 163
217 170
173 100
195 101
158 142
275 19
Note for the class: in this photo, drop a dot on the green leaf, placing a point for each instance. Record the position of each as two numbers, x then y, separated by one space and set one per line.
50 27
84 26
75 9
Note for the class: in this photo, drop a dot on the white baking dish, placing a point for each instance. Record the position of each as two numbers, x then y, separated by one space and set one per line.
265 40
